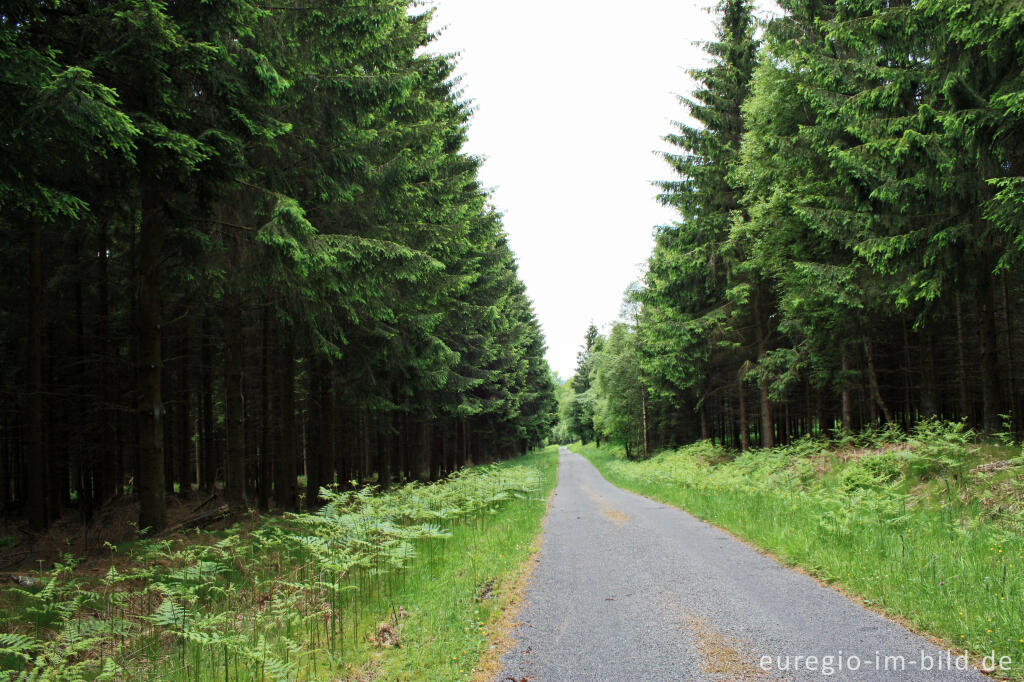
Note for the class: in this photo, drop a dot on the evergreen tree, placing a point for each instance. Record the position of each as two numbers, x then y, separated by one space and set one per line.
268 225
696 297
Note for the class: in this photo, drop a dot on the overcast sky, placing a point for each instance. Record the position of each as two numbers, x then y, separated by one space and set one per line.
571 101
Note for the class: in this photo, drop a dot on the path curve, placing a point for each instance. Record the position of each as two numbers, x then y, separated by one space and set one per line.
629 589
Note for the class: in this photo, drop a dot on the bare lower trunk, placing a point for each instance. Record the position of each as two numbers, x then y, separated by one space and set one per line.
234 403
207 456
111 468
991 386
847 416
425 449
876 395
150 474
744 425
643 420
767 428
965 405
929 403
315 408
1012 379
185 472
266 438
908 416
285 471
35 460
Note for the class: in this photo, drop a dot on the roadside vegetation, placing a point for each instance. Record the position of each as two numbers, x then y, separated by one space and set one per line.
403 584
924 526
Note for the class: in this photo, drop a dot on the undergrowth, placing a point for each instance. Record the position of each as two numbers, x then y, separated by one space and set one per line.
305 596
925 526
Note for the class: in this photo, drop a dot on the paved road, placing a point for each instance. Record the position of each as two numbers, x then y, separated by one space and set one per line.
627 589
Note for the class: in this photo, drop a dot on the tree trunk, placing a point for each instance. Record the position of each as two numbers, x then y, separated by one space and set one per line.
150 474
767 435
436 446
1011 365
929 403
424 459
908 410
185 472
207 456
286 468
316 432
876 395
36 457
266 437
991 386
325 451
234 402
384 445
847 416
87 458
961 345
445 451
744 425
110 468
643 421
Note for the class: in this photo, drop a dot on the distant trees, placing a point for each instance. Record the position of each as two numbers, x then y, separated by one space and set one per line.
613 404
581 407
244 245
848 247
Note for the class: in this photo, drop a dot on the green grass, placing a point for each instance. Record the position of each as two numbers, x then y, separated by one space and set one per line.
905 524
451 620
400 585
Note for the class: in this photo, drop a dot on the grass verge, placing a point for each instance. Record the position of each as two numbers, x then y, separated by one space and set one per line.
909 525
456 606
403 585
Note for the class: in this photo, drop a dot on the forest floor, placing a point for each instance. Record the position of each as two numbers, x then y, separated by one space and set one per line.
90 541
628 588
407 584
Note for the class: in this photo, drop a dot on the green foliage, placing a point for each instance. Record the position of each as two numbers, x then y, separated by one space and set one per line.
261 205
694 301
884 467
847 237
296 595
940 448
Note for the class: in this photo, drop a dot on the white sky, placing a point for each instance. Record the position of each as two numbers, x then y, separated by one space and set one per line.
572 99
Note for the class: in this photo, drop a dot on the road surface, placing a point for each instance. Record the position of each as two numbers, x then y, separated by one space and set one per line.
628 589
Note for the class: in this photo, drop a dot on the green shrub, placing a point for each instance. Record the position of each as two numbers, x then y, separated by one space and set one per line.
886 467
939 448
856 477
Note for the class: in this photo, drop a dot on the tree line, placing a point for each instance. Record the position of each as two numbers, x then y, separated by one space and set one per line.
243 244
848 248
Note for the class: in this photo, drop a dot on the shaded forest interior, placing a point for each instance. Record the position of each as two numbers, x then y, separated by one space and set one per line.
244 245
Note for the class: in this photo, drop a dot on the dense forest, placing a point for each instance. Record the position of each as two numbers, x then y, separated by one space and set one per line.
243 245
848 246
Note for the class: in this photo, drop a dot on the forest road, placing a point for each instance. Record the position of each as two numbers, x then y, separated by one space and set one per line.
629 589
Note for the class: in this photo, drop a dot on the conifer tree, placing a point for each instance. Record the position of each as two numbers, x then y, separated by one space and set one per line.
694 299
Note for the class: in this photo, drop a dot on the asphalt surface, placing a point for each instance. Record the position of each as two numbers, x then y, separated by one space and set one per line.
626 589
